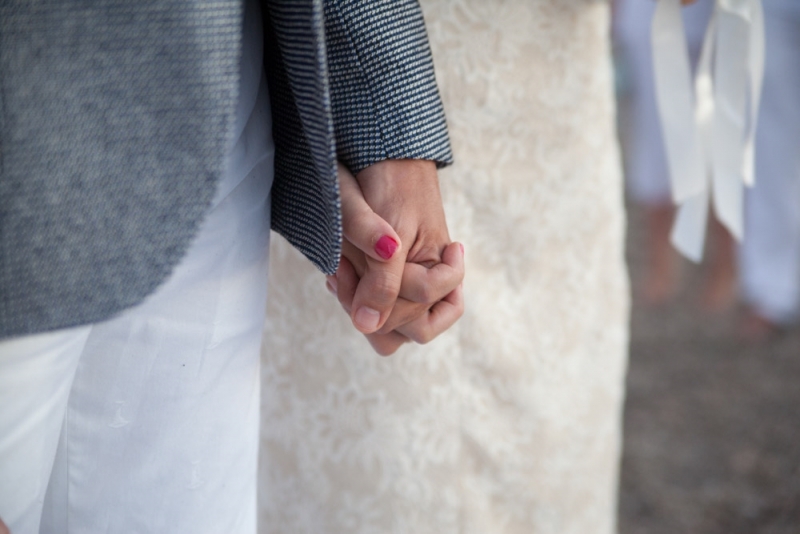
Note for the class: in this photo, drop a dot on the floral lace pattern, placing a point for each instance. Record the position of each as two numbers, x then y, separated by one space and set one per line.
510 421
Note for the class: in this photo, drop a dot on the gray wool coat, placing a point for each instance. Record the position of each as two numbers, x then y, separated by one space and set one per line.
115 115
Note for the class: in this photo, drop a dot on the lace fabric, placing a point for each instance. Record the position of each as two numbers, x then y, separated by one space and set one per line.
510 421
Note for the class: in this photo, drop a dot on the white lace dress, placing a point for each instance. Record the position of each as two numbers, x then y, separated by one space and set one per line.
510 422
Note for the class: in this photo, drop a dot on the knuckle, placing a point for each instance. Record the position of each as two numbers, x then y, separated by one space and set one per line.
422 335
425 252
426 294
427 337
384 289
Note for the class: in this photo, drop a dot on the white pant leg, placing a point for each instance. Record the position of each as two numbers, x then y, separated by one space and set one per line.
36 374
770 253
161 433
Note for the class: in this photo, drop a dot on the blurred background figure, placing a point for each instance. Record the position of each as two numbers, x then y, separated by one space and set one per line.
645 164
770 253
712 433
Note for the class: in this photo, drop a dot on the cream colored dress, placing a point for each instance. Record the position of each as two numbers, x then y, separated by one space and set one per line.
510 422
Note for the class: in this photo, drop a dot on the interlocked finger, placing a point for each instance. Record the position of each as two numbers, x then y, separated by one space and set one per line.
428 285
439 318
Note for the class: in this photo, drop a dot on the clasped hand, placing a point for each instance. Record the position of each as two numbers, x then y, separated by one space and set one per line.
400 276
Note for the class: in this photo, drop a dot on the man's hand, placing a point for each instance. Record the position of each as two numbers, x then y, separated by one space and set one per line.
393 214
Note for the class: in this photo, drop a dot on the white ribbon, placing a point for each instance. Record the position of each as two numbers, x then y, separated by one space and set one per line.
709 125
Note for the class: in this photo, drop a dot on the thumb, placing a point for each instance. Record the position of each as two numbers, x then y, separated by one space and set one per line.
363 227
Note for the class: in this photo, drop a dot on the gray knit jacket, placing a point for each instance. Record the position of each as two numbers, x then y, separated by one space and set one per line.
114 118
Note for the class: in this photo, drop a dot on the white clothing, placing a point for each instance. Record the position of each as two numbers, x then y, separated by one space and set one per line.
158 428
36 374
770 252
646 172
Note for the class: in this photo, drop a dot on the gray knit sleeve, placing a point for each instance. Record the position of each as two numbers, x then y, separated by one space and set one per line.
384 97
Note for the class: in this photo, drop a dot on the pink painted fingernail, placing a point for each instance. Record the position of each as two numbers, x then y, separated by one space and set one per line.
386 247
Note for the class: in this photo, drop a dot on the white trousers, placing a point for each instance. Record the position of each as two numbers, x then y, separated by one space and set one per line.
148 422
770 253
157 409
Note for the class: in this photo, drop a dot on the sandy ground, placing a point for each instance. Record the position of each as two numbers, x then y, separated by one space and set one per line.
712 423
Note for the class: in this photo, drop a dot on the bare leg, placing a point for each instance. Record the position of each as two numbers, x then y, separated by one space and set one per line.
662 271
719 292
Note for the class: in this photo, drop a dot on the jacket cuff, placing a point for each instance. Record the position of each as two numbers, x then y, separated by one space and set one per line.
384 97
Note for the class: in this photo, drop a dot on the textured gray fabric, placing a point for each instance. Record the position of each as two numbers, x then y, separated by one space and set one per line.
305 193
384 97
114 122
113 126
366 80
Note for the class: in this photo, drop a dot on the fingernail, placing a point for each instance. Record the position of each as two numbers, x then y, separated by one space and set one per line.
386 247
462 248
331 289
367 318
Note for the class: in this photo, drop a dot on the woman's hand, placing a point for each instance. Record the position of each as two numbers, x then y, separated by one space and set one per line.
417 262
430 300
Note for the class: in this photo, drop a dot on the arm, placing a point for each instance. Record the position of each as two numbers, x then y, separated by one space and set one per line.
390 132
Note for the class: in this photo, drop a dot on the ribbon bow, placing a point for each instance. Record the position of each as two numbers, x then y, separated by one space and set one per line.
709 125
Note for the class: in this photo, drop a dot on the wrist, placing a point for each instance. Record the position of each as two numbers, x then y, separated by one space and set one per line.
392 180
